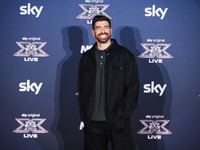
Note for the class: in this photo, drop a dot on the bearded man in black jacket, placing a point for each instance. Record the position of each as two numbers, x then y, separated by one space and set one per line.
108 86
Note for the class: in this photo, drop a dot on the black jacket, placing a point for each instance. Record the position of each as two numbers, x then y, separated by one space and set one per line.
121 83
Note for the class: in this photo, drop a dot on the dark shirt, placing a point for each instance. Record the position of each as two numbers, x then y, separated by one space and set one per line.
99 109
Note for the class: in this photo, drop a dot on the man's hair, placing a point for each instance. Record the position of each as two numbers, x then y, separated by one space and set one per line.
100 18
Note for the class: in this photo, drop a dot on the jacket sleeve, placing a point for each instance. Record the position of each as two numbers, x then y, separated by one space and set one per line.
132 87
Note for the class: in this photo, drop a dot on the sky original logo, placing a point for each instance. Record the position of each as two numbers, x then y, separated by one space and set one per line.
152 12
30 87
154 128
28 10
33 49
91 10
155 52
152 88
30 127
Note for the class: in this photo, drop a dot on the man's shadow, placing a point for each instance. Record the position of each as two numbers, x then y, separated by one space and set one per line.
67 119
148 103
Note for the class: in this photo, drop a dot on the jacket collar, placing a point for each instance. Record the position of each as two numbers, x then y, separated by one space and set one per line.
110 50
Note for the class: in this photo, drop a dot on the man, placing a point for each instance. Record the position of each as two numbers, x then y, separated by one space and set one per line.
108 88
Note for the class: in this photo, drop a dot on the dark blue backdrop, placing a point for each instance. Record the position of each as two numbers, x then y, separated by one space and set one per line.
37 86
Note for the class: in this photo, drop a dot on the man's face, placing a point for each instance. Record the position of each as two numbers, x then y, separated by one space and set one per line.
102 31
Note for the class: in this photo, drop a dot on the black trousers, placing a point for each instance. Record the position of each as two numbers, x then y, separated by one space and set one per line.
98 133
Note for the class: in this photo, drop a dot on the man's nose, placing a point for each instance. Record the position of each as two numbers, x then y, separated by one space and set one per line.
102 30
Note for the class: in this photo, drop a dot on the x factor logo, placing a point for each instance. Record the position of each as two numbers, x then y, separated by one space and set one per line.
92 10
30 125
155 50
28 48
157 127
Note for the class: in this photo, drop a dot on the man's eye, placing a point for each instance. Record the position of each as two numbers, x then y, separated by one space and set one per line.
98 28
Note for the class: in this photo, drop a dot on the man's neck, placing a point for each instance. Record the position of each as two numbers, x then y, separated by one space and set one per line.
103 46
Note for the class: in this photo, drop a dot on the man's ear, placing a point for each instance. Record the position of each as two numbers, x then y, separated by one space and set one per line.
93 32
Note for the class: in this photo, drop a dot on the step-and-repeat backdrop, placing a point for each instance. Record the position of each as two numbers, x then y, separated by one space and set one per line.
41 42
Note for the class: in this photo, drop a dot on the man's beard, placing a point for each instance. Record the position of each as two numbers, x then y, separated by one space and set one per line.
102 40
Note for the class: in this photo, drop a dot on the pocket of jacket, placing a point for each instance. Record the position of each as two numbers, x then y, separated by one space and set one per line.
118 67
118 73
